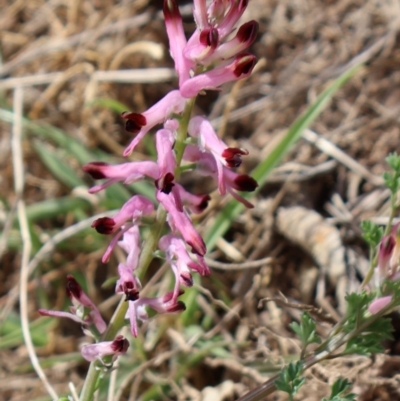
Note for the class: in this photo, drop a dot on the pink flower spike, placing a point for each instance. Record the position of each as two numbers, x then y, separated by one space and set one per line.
241 67
171 103
180 222
177 39
126 172
117 347
166 160
378 304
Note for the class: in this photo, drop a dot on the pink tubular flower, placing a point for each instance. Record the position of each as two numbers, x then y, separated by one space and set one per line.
395 257
386 248
130 243
228 180
244 38
127 217
378 304
140 124
180 261
83 311
114 348
236 10
241 67
200 14
195 203
177 40
126 172
180 222
163 304
127 284
201 128
166 160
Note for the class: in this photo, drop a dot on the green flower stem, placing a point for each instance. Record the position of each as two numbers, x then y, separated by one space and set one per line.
180 143
146 256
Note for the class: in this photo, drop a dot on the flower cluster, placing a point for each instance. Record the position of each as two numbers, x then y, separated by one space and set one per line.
212 56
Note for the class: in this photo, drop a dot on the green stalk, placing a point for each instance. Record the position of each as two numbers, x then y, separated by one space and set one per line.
146 256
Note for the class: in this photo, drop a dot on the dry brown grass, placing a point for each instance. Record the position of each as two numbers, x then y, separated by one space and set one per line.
63 45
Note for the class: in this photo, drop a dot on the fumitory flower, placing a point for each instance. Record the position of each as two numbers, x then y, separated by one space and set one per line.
167 303
83 311
114 348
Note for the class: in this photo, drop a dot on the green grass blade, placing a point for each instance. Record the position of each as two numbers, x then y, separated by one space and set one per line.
111 104
261 172
57 166
55 207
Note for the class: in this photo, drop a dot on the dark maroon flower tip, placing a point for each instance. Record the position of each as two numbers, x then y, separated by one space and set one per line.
242 5
244 65
135 121
245 183
166 183
248 32
104 225
95 169
203 204
120 344
199 248
209 37
178 307
187 279
171 10
73 289
233 156
131 295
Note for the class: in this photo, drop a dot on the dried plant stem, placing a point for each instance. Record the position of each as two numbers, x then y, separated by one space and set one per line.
26 238
146 256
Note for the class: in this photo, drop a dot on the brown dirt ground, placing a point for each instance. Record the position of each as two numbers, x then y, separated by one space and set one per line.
303 45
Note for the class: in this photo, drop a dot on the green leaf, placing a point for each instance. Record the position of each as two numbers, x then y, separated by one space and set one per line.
372 233
393 160
339 387
262 171
289 379
306 330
